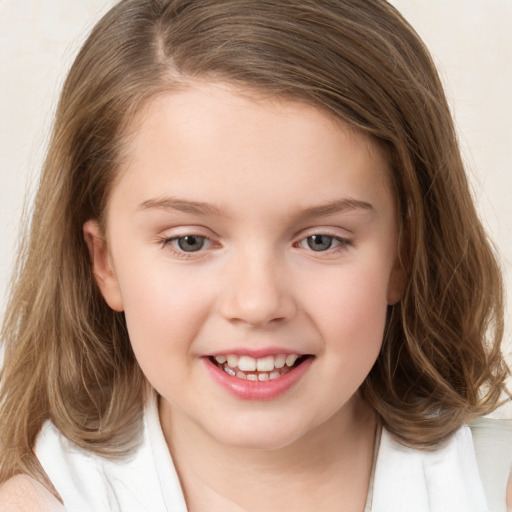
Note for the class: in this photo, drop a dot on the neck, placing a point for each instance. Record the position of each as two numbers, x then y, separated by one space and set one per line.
327 469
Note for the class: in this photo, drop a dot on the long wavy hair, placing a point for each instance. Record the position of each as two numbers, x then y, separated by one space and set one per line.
67 354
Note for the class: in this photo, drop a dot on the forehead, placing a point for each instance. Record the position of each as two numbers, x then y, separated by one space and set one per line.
212 138
192 98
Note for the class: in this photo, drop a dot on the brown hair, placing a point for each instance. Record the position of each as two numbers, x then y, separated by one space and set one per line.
68 356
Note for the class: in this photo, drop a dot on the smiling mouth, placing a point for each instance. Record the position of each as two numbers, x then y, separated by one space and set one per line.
262 369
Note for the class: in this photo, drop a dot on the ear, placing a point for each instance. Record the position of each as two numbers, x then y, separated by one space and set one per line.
102 268
396 284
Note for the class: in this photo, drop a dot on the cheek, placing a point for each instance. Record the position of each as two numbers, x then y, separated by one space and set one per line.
163 310
350 309
352 325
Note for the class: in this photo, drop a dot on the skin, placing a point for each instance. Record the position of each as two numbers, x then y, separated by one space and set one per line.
509 490
22 493
266 169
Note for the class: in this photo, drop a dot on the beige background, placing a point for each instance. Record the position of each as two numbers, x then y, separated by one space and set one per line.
471 41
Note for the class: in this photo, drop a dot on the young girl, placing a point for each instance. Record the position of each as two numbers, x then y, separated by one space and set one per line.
255 278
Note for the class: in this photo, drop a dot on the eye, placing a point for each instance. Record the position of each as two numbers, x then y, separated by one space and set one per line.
190 243
320 243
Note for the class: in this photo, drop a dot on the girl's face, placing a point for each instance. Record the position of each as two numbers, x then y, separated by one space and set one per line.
252 244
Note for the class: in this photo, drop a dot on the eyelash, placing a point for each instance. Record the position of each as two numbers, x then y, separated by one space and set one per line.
168 243
341 243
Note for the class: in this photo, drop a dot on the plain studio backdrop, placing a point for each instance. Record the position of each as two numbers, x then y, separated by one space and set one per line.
471 42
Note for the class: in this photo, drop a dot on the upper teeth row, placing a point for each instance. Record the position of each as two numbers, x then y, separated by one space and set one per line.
263 364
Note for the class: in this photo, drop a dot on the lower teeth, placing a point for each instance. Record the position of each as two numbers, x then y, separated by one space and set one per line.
261 376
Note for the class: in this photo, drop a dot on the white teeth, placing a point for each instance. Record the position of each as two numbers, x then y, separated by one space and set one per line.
266 364
241 366
232 361
246 364
290 360
280 361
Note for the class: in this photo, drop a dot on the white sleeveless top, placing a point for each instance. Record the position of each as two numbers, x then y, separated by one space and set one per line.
403 480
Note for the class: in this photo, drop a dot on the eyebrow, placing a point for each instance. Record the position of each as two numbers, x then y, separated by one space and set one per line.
181 205
202 208
340 206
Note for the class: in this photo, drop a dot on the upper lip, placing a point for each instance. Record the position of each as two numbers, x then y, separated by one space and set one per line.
256 353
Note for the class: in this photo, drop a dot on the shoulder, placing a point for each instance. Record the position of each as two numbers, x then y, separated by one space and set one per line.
22 493
445 477
89 481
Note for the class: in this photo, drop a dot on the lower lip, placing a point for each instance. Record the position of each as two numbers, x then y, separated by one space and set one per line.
258 390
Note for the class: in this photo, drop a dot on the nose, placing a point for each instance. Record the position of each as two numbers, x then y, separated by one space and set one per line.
257 292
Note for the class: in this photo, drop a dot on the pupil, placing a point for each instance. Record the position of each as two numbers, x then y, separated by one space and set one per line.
319 242
191 243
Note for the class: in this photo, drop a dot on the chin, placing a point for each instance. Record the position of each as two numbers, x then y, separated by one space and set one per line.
260 434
